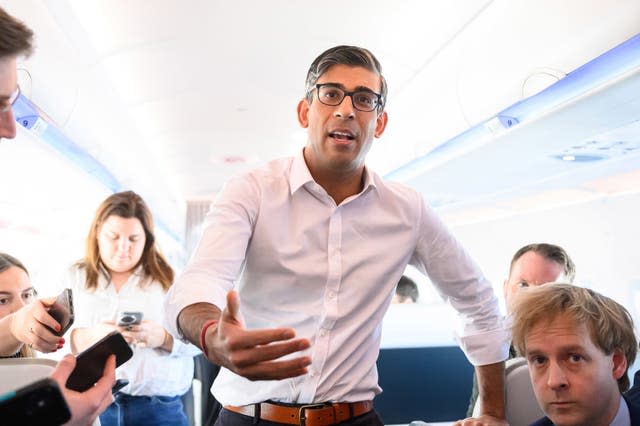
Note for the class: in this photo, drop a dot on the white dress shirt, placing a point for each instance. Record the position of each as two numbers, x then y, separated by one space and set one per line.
149 371
328 271
622 418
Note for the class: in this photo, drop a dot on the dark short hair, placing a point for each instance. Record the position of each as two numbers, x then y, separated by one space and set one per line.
551 252
609 323
15 37
406 289
352 56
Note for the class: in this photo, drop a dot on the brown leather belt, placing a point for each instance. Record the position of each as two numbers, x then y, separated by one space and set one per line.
325 414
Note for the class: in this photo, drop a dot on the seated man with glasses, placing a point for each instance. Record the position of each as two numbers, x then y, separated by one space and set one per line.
314 246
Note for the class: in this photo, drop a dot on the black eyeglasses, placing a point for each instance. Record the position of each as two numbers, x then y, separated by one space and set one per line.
12 100
362 100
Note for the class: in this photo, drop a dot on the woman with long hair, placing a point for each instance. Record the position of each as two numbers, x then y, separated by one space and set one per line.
123 274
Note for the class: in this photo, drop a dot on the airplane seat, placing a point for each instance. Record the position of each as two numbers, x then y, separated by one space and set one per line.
522 407
19 372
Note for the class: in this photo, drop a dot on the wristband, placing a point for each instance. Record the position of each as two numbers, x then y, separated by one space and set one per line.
203 332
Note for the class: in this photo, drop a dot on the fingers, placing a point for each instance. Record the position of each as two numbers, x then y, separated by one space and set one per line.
40 312
276 370
99 397
64 368
30 326
247 349
484 420
232 312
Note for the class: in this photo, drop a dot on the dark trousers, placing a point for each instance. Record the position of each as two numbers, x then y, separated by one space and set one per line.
229 418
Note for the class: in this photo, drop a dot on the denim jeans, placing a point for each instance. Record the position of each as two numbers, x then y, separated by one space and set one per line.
130 410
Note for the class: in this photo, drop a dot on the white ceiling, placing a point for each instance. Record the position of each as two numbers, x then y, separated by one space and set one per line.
178 95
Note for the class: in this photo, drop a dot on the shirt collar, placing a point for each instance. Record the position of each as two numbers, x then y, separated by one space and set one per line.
622 418
300 175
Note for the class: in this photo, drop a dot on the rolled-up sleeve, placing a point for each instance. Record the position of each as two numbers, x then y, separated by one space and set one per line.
483 334
219 256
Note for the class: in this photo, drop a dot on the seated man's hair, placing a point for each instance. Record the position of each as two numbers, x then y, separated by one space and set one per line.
551 252
407 289
608 322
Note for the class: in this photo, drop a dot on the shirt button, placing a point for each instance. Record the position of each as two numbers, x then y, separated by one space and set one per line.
323 333
332 295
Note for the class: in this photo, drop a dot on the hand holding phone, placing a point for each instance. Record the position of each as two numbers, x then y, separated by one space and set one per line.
90 362
62 311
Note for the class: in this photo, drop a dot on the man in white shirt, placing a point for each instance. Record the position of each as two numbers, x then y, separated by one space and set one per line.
579 345
314 246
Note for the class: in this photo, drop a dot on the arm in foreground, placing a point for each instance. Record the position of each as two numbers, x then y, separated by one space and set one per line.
252 354
86 406
491 397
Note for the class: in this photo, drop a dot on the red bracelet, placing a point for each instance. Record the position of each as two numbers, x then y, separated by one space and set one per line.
203 332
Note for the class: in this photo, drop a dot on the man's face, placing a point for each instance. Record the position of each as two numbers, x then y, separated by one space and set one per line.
530 270
8 84
574 381
340 136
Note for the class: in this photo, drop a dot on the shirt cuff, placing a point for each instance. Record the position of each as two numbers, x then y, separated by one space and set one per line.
183 294
486 348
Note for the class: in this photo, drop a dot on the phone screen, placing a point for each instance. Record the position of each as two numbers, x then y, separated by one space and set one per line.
90 362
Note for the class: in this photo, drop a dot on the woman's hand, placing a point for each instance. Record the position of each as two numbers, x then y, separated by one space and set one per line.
148 334
29 326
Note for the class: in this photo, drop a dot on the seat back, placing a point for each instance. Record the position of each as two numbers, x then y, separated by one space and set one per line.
19 372
521 404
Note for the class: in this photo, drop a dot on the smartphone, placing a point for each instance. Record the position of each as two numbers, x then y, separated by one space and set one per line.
62 311
40 402
120 383
129 318
90 362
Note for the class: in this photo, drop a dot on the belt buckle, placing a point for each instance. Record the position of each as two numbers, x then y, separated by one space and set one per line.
302 409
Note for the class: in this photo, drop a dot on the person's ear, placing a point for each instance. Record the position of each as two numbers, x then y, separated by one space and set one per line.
303 113
505 286
381 124
619 364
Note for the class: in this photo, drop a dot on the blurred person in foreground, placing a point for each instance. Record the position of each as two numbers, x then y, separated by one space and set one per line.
16 40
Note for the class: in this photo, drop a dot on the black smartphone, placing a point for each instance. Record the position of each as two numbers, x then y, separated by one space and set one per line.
40 402
62 311
120 383
129 318
90 362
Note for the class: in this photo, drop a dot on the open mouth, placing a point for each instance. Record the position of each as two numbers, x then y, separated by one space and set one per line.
342 136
